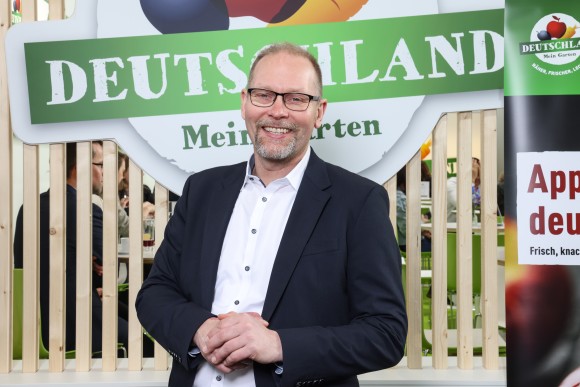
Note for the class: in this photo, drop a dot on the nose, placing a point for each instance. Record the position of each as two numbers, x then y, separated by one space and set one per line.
278 109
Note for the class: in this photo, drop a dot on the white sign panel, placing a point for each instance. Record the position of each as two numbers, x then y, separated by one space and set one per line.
548 200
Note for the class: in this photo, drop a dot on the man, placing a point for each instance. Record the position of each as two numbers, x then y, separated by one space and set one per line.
284 270
452 190
71 258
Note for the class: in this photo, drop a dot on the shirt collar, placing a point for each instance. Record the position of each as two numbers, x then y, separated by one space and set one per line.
294 177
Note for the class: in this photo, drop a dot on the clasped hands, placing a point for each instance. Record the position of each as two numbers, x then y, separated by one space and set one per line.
232 341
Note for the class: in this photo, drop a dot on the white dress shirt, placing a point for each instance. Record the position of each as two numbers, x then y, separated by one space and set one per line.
247 257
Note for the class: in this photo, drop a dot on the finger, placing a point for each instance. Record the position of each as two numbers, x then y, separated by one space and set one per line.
259 317
227 351
221 334
223 316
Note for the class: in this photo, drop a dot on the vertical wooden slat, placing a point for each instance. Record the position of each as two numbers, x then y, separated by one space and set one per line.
135 263
413 241
391 187
31 238
55 9
56 344
84 257
57 241
6 202
161 210
439 240
110 272
464 244
489 239
29 10
31 261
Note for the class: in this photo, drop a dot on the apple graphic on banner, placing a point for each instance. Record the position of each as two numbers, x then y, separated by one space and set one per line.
271 11
544 35
174 16
538 309
556 28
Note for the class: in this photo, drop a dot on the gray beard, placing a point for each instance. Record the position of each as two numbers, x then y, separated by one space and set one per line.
276 154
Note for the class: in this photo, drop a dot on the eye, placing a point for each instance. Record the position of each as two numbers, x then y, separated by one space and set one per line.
297 98
262 94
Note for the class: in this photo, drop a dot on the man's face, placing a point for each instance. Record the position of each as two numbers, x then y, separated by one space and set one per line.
97 169
121 172
280 134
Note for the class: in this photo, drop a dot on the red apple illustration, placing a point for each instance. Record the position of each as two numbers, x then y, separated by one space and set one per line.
556 28
539 307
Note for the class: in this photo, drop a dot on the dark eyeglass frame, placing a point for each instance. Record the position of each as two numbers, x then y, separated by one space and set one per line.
100 165
290 107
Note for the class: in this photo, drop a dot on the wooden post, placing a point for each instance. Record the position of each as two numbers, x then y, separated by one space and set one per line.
84 229
413 241
135 263
161 209
464 244
110 260
57 241
489 239
6 202
56 344
439 240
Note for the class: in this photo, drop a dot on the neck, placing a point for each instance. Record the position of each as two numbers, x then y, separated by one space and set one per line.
270 170
72 182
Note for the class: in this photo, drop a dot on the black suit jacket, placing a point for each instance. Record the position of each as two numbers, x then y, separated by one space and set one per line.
71 265
334 297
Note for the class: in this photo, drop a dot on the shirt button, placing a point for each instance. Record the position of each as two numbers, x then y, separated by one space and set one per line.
264 199
254 231
218 378
236 302
247 268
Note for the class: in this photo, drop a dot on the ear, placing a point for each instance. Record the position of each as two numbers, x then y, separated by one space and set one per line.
320 110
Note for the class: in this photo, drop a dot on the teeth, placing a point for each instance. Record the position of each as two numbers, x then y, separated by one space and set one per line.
276 130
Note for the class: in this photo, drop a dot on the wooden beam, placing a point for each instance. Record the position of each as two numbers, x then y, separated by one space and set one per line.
489 297
439 240
56 344
57 241
135 263
84 229
161 210
413 243
110 260
6 202
464 244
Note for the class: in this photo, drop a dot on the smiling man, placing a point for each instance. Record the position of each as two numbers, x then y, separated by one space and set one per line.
283 270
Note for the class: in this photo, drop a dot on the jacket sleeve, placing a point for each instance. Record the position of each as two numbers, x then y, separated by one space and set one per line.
375 336
163 308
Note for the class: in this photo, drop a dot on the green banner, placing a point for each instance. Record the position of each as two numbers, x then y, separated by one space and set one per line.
542 218
205 71
543 45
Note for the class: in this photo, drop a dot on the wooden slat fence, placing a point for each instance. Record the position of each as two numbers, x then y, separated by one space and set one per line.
463 122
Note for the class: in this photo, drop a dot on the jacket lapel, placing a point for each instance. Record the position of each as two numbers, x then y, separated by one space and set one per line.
219 212
308 205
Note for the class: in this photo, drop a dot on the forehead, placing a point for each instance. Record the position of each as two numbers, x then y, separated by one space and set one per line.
283 71
97 151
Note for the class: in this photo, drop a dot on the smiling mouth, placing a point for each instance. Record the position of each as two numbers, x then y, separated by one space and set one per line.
273 130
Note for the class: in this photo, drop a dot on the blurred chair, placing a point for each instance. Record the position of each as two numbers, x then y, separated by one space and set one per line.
475 269
18 321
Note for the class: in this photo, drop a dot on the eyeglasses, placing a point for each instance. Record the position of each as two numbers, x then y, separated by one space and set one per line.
100 165
293 101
